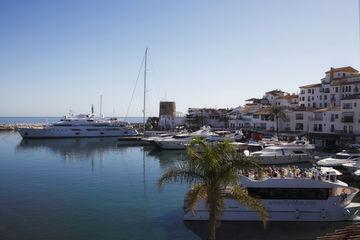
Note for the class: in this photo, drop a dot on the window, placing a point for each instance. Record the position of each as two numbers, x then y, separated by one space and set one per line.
332 128
308 98
347 106
345 129
299 116
354 104
298 152
349 88
314 105
336 89
312 91
320 127
321 105
318 116
350 129
325 105
309 90
325 97
336 116
299 126
320 97
290 193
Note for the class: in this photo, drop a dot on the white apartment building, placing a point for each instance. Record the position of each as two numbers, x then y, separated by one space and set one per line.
328 111
273 95
337 83
350 114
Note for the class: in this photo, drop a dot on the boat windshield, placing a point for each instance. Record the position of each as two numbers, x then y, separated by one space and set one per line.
271 150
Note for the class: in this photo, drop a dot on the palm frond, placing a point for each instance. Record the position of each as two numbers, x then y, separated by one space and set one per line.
181 175
196 193
242 195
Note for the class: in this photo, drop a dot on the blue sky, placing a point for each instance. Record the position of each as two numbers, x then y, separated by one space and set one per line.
61 55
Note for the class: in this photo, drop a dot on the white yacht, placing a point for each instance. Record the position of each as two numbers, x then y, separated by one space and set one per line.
290 199
352 168
180 141
81 126
339 159
282 155
299 143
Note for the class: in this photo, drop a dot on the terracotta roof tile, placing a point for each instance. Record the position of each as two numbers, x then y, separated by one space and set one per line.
343 69
311 85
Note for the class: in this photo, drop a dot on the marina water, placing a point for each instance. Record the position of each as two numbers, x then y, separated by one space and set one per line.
105 189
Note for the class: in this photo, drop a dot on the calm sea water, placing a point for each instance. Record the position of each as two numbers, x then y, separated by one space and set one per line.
103 189
48 120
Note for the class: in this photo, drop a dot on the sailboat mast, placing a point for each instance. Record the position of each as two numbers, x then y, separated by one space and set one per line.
101 106
145 66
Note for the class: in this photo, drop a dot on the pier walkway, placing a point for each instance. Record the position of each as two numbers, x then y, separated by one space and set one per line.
350 232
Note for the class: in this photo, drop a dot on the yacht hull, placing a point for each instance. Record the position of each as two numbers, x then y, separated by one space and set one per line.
285 213
272 160
171 145
27 133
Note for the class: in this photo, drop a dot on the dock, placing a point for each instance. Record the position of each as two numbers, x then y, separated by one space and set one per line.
350 232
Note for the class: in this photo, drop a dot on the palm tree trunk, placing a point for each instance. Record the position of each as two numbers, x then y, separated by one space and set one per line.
212 221
211 193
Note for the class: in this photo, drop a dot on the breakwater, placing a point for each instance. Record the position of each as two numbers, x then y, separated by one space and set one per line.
13 127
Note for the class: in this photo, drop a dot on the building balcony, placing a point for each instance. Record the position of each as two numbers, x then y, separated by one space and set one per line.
317 129
347 120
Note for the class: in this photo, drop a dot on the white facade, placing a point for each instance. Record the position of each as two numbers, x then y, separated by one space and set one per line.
170 122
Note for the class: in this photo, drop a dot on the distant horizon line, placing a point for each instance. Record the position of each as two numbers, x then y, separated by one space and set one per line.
63 116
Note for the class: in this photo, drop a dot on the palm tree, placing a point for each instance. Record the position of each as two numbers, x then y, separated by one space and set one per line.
210 169
278 113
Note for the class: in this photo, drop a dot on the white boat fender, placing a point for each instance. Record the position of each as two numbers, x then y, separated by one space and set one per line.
247 153
297 214
323 213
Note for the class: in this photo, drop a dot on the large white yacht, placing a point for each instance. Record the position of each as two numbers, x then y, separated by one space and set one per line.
290 199
344 157
81 126
180 141
282 155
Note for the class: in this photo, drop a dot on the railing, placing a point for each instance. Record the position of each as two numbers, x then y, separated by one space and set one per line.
317 130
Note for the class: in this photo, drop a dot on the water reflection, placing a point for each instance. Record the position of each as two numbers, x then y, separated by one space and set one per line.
167 158
77 149
274 230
